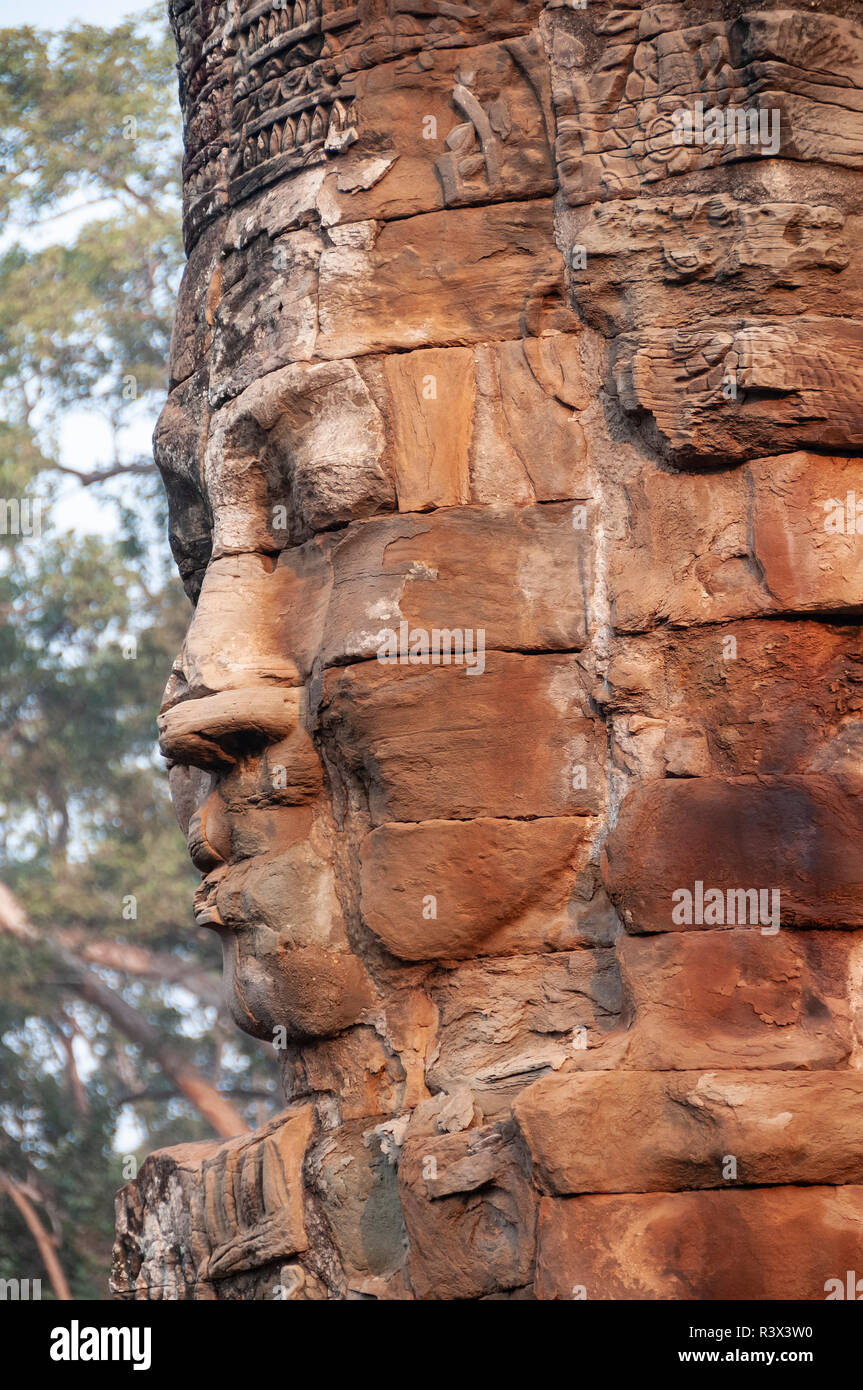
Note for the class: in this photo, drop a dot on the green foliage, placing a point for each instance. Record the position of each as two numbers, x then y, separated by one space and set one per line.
65 105
89 625
89 171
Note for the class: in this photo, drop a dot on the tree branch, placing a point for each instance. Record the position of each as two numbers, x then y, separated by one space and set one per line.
168 1093
45 1243
102 474
76 1085
203 1095
130 959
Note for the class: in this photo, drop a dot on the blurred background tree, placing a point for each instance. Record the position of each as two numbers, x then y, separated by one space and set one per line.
112 1037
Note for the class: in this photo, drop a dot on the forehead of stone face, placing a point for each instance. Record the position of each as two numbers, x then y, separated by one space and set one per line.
268 87
312 130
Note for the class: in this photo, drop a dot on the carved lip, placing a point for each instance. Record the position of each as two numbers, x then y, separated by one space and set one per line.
206 912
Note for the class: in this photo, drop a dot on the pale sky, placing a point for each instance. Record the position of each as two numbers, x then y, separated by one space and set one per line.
56 14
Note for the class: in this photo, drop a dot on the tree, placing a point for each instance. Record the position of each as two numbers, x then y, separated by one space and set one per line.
108 996
87 123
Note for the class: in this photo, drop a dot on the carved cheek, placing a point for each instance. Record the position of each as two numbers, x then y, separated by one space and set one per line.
309 992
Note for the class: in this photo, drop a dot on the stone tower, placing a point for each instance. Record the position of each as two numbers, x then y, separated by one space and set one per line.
513 451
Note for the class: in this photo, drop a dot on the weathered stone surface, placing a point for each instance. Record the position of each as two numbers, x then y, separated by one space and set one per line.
470 1213
197 298
343 57
463 277
235 1207
306 446
442 743
773 1243
356 1182
735 998
427 134
497 423
670 261
354 1076
246 593
527 443
179 443
792 842
615 109
763 538
193 732
806 532
785 698
667 1131
292 893
343 598
432 395
725 389
267 314
519 575
547 1010
299 451
309 991
204 69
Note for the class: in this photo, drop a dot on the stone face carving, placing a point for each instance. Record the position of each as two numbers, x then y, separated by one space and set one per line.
617 88
237 1209
512 450
808 371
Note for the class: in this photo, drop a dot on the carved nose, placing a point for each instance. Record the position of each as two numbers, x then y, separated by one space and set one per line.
209 835
215 731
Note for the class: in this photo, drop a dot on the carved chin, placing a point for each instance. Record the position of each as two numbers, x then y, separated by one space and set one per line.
307 992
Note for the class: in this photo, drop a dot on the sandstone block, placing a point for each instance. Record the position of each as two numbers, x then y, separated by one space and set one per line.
432 396
715 547
446 889
422 134
222 1208
197 298
308 990
470 1213
236 638
787 702
298 451
792 842
366 1078
735 999
664 262
548 1010
465 276
806 531
179 442
527 443
615 108
666 1131
280 130
772 1243
724 389
519 575
267 315
356 1183
438 743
